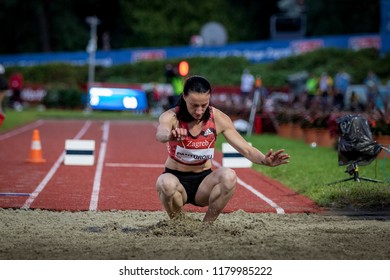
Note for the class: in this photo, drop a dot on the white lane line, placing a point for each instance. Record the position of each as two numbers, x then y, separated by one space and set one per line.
21 129
83 130
53 170
144 165
44 182
278 209
99 169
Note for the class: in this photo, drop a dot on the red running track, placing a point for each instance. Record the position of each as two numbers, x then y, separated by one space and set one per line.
128 161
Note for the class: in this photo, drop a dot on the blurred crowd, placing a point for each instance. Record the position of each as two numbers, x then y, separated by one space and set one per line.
329 94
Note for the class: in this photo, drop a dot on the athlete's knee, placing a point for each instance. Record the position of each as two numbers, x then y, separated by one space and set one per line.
166 185
228 178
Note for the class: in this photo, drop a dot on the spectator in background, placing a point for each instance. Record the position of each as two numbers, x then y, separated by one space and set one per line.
177 86
388 87
169 73
311 90
372 83
355 105
341 82
3 91
176 82
386 99
16 86
247 83
325 86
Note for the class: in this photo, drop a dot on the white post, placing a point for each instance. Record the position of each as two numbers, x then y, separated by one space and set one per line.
256 99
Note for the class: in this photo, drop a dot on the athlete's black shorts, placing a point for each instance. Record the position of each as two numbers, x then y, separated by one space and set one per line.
190 181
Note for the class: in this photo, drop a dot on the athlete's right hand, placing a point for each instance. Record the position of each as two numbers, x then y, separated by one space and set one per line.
178 134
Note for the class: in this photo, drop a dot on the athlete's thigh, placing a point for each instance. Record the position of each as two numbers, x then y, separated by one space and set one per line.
206 187
168 182
212 181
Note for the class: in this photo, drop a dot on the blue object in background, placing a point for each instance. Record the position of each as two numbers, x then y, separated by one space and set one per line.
118 99
255 51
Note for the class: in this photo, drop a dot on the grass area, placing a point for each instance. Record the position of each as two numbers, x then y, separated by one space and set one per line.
15 119
309 171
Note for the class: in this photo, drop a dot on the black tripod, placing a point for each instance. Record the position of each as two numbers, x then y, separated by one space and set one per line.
353 170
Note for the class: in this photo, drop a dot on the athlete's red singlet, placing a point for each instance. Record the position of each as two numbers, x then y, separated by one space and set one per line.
195 150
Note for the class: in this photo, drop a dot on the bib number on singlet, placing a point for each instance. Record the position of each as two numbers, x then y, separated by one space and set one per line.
193 155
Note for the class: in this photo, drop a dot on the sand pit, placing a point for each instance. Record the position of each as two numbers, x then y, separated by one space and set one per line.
119 235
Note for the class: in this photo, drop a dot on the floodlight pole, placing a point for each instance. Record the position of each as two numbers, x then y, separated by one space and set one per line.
91 48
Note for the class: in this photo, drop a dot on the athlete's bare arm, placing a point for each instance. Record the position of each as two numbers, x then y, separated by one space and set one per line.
167 129
225 126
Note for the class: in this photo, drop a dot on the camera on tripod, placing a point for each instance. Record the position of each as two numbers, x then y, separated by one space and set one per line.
356 146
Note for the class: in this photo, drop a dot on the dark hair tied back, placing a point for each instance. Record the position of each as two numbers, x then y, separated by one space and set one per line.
195 84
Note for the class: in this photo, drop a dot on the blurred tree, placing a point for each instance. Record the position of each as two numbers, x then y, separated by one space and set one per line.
342 17
46 25
167 23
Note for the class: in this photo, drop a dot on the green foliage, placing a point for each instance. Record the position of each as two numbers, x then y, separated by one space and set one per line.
142 72
63 98
342 17
331 60
173 24
220 71
383 67
59 74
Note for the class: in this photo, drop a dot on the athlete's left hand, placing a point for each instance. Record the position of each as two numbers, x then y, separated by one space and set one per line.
276 158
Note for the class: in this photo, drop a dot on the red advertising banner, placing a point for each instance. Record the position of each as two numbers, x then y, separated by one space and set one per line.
357 43
303 46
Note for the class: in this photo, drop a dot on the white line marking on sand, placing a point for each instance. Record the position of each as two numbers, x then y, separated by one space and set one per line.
52 171
278 209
